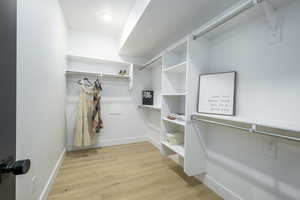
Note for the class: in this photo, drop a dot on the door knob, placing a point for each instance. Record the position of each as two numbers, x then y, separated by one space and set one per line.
17 168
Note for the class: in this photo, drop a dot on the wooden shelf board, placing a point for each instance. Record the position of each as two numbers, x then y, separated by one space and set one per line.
150 107
179 68
181 123
179 149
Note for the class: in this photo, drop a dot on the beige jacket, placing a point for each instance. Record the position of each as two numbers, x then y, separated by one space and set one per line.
84 134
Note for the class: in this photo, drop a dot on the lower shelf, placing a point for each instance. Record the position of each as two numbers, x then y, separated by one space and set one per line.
179 149
150 107
181 123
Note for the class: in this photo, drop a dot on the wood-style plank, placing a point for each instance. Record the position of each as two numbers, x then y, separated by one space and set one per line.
126 172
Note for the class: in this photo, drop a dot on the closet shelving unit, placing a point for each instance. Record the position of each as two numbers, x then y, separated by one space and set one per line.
181 67
153 73
173 96
98 67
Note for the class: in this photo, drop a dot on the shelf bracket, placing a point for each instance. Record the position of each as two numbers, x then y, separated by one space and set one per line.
273 21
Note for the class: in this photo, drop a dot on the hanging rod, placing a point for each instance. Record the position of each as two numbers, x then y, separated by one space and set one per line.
150 63
249 130
226 17
104 75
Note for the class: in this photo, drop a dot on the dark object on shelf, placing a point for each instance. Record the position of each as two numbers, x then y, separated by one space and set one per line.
147 97
123 72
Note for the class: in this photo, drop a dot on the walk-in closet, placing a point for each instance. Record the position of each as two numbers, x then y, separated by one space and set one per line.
150 100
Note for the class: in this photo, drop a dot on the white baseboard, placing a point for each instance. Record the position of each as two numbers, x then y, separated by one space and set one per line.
111 142
218 188
210 182
154 142
51 179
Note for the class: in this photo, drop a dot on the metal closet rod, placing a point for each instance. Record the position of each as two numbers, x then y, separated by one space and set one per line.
250 130
150 63
226 17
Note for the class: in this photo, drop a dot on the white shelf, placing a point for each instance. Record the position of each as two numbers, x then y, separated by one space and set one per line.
181 123
105 75
179 68
174 94
179 149
97 60
260 122
150 107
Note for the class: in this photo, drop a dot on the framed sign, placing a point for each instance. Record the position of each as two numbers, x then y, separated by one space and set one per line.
217 93
147 97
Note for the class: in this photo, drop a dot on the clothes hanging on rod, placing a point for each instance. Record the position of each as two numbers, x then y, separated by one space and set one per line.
89 121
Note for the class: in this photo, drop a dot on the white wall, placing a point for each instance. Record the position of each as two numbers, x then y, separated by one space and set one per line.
97 46
119 107
40 92
151 80
123 122
93 45
267 91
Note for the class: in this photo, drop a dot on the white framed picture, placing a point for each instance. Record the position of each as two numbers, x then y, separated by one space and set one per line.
217 93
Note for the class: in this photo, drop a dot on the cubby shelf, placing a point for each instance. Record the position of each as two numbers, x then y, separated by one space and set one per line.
179 68
181 123
179 149
150 107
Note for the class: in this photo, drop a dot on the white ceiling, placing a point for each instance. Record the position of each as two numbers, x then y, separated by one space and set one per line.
162 23
82 15
166 21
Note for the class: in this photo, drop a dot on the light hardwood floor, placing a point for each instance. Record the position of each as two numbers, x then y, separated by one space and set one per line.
126 172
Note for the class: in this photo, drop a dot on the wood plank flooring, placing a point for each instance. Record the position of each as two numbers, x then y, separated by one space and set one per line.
126 172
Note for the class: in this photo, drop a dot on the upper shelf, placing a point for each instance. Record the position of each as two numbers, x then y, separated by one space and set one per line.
179 68
105 75
97 60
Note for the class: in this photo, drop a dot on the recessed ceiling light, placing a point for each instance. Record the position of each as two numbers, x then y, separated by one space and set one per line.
104 16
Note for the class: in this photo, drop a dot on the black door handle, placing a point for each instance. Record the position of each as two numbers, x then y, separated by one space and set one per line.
17 168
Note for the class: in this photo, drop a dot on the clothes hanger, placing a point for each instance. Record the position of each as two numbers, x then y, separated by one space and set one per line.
98 83
88 81
82 82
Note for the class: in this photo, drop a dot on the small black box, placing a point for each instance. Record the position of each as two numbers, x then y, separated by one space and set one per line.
147 97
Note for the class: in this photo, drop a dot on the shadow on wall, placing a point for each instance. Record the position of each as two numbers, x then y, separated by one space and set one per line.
275 177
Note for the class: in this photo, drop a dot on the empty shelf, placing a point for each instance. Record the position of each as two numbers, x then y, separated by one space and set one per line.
179 149
174 94
181 123
150 107
179 68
